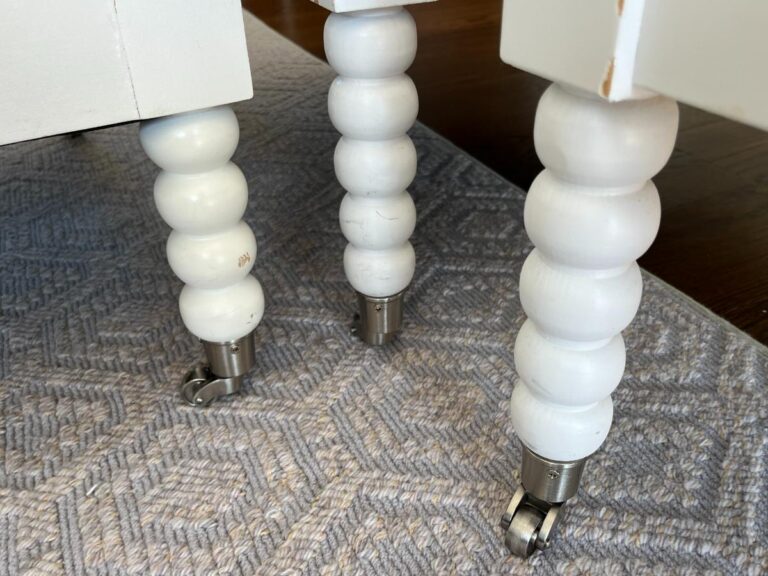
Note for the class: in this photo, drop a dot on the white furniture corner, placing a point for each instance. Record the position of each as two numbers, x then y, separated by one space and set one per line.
70 66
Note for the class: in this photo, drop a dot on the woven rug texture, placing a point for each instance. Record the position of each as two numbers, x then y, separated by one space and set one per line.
336 458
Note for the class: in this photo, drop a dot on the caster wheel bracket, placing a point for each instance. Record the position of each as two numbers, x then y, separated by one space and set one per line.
200 386
534 512
223 375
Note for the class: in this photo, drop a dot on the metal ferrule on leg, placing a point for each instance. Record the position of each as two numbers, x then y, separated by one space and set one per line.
228 362
533 512
550 480
379 319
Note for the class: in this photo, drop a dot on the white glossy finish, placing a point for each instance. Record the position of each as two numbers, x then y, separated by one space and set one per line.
373 104
202 196
590 214
74 65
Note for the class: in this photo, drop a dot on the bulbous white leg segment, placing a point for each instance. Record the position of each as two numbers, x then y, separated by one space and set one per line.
570 430
590 214
585 140
574 375
379 273
591 228
202 203
572 305
224 314
377 223
376 168
202 195
373 103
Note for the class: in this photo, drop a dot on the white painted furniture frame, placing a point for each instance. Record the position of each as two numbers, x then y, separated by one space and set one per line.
73 65
70 65
603 129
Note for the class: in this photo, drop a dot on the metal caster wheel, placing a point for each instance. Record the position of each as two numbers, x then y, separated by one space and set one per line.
523 532
529 524
534 511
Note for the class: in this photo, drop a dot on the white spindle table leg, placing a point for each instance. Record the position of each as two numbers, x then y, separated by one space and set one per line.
202 195
373 103
590 214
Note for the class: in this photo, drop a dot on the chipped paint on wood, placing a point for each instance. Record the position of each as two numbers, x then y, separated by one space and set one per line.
605 88
243 260
620 7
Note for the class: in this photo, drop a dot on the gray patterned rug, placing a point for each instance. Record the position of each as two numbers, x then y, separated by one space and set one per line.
336 458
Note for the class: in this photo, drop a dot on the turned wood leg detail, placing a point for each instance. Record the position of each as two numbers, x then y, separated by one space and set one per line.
373 103
590 214
202 196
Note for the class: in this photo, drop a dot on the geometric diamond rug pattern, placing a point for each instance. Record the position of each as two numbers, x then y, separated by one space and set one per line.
335 458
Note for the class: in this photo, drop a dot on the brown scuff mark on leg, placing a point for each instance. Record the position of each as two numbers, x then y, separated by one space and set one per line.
605 89
621 7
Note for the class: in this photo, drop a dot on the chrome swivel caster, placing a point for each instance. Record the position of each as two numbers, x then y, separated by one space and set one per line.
534 511
228 362
379 319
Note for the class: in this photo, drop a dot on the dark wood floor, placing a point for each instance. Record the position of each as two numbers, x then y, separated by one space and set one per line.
713 243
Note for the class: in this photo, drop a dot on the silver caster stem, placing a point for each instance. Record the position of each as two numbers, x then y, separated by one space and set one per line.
228 362
534 512
379 319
